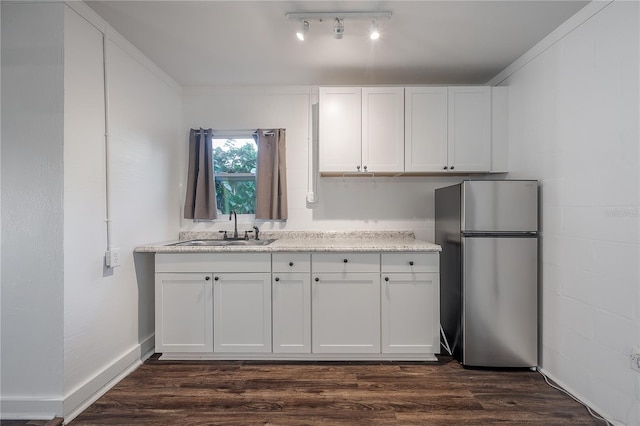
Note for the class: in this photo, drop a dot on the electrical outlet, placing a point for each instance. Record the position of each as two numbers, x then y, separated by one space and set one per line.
112 257
635 359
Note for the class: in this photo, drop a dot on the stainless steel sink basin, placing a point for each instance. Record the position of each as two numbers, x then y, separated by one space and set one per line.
223 243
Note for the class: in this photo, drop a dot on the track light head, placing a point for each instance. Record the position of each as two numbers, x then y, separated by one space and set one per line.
304 29
338 29
374 32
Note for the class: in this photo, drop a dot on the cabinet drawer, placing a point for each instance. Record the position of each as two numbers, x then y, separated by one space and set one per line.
291 262
410 262
345 262
213 262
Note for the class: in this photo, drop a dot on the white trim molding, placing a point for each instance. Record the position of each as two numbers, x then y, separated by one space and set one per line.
46 408
86 394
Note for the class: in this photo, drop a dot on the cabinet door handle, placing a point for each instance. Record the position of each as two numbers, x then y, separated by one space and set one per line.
411 262
290 263
386 279
452 167
345 260
445 167
277 279
358 168
365 168
216 278
317 279
207 278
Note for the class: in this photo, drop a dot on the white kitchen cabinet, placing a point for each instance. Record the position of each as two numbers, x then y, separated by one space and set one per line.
340 129
410 303
448 129
383 129
328 305
425 129
291 303
469 129
345 298
410 313
184 312
346 313
221 302
242 312
499 129
361 129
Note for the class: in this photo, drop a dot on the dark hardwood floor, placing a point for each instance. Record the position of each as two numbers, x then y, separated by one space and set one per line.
345 393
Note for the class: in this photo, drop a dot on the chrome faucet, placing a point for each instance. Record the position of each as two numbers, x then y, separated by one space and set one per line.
235 223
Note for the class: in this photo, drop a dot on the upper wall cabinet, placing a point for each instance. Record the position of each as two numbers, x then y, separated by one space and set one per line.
425 129
457 129
361 129
448 129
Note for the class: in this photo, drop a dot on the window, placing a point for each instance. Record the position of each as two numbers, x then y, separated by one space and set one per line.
234 165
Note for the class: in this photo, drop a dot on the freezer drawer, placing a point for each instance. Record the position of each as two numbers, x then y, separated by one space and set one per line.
500 299
500 206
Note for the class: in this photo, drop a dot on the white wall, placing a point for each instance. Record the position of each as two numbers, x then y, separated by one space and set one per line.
574 125
70 326
32 207
109 311
343 203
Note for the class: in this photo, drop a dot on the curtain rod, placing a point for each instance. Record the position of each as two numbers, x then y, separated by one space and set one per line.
235 133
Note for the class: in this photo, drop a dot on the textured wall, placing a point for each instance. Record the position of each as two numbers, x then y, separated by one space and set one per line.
574 125
32 204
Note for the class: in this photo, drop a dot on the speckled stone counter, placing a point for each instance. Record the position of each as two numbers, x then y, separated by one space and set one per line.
308 241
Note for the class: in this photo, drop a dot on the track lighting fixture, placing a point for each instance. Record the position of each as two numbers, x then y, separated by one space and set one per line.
374 32
338 19
338 29
302 32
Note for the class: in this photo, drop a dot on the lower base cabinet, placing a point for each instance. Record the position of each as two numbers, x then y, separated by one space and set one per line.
298 305
291 295
410 309
242 312
346 313
184 312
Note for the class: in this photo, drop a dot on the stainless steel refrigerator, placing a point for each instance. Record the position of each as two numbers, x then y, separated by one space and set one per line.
488 231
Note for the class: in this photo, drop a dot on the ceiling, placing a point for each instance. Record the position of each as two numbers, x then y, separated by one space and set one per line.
213 43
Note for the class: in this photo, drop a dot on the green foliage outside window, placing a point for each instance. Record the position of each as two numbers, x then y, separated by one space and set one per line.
234 164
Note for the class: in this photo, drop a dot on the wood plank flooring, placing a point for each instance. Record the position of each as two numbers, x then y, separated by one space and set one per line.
329 393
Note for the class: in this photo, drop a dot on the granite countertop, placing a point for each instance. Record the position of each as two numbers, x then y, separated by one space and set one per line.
309 241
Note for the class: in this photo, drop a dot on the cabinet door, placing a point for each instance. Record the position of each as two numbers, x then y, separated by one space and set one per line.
469 135
346 313
340 129
242 312
425 129
383 129
291 293
184 312
410 313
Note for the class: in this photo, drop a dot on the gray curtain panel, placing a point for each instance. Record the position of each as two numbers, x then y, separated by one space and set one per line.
271 174
200 200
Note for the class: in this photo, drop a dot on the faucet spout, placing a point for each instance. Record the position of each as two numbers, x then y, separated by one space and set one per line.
235 223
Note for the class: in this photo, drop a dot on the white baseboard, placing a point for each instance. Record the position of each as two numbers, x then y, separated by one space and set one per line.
43 408
84 395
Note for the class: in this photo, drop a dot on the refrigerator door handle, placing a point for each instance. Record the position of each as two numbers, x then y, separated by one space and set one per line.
483 234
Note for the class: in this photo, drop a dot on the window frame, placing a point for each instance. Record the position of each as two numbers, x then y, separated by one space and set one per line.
236 134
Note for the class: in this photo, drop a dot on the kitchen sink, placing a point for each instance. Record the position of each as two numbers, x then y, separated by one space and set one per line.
223 243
